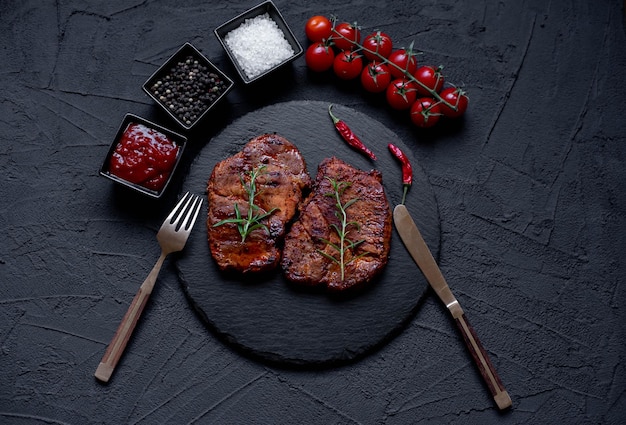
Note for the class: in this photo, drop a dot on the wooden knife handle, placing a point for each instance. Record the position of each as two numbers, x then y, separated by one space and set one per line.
488 372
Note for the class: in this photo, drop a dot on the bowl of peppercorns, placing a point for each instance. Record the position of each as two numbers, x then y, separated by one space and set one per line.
187 86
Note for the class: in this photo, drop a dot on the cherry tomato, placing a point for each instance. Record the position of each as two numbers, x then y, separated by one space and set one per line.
403 59
348 65
425 112
456 97
345 36
375 77
319 57
431 78
401 93
378 42
318 28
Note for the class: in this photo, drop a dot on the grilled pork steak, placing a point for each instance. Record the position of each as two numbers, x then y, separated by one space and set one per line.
311 253
281 178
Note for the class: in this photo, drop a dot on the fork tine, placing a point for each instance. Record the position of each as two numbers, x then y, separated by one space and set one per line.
180 206
179 210
184 214
192 213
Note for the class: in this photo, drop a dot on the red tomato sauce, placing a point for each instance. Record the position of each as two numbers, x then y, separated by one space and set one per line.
144 156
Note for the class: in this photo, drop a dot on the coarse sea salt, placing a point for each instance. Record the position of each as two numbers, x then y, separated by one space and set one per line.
258 45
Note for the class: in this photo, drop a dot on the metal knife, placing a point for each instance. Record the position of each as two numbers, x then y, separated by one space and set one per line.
415 244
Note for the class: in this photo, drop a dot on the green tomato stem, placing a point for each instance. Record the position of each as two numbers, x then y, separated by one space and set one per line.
407 74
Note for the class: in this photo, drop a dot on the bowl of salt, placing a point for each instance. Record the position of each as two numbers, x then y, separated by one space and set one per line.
258 41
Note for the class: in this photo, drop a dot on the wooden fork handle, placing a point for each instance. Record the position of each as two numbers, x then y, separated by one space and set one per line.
127 325
488 372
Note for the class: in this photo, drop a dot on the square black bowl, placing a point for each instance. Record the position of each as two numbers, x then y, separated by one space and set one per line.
177 139
194 88
266 7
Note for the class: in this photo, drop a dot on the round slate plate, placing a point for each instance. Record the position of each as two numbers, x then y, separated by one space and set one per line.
264 315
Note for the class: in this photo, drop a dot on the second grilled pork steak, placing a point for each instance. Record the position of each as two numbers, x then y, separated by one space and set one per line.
281 177
313 247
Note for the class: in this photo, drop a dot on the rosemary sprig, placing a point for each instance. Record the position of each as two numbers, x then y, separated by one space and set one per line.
342 229
252 220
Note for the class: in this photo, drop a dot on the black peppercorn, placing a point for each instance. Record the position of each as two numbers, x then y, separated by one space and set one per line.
188 89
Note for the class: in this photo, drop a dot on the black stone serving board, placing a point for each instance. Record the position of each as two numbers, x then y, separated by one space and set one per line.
265 316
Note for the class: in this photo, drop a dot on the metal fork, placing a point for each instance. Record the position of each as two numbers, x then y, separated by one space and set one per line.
172 237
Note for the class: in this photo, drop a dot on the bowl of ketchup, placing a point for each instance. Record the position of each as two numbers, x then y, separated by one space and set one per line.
143 156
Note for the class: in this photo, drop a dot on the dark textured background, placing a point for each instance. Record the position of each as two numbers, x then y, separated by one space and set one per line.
530 189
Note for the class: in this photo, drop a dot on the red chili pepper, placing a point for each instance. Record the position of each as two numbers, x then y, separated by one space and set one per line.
407 170
349 136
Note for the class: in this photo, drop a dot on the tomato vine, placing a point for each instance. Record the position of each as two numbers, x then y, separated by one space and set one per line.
421 89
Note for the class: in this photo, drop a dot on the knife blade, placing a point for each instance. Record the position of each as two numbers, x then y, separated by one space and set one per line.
418 249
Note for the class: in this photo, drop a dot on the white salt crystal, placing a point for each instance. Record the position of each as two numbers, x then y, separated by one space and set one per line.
258 45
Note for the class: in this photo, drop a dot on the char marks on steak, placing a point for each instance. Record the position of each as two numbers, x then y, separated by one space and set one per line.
306 253
280 185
